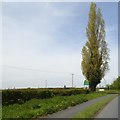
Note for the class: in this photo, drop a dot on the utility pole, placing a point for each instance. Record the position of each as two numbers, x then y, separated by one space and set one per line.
45 83
72 80
105 82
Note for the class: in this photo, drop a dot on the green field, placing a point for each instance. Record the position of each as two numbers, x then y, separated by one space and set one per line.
40 107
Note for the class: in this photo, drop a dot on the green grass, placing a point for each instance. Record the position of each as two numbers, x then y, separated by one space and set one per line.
38 107
0 104
0 111
92 110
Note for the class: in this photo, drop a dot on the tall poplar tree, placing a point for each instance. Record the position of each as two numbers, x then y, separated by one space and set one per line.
95 52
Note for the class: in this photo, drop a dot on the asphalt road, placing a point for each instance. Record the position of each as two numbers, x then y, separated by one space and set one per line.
110 111
70 112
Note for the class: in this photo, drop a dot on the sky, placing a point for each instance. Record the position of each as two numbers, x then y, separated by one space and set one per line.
43 41
59 0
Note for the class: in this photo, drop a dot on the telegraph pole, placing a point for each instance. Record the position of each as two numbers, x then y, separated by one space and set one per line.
45 83
104 81
72 80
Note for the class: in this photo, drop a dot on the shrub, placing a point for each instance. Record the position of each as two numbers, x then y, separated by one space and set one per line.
22 95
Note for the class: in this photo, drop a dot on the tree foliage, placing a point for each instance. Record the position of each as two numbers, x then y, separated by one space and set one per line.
116 84
95 52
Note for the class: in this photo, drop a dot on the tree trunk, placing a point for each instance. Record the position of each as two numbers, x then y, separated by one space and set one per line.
92 87
93 84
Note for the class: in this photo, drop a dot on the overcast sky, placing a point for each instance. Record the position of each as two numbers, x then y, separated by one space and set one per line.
43 41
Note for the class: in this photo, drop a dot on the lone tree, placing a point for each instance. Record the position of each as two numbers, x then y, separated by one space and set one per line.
95 52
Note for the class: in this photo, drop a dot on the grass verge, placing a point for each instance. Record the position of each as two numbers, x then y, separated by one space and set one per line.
38 107
92 110
0 111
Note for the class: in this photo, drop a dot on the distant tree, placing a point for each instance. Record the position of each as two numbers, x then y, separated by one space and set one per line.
108 86
95 54
116 84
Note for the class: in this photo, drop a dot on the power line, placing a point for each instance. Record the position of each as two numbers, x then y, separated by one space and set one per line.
38 70
32 69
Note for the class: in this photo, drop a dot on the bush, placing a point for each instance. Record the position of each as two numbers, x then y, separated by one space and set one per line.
22 95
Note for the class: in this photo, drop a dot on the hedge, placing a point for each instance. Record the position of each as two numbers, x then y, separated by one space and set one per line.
21 95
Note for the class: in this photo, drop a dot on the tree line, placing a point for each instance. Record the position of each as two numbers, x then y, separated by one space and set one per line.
115 84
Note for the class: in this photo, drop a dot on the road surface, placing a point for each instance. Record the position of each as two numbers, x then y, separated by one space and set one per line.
70 112
110 111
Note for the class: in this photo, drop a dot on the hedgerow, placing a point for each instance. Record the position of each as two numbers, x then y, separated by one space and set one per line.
22 95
